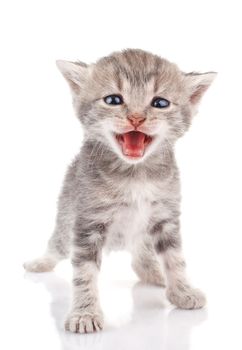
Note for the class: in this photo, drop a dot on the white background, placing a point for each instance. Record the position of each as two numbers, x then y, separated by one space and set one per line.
39 135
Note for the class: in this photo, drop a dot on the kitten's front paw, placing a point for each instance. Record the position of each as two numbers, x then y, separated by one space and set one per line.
188 298
84 322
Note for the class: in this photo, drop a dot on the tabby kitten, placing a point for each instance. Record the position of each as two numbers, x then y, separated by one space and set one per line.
122 190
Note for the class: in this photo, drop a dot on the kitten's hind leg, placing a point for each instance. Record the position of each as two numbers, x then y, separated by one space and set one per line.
146 264
59 244
44 263
57 249
54 253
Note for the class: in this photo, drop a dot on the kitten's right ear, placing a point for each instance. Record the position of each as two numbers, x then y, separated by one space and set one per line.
75 73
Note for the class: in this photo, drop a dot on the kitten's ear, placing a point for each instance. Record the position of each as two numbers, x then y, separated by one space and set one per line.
76 73
198 83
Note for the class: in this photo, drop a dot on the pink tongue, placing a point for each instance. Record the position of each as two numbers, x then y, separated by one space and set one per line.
133 144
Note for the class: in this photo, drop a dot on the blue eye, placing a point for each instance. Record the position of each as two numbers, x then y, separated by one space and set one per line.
159 102
113 100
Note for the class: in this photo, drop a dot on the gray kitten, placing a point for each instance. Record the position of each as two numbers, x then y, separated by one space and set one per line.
122 190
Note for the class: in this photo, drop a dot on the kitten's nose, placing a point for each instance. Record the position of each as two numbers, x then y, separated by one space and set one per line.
136 120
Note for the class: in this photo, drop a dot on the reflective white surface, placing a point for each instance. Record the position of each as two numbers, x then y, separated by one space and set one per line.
137 316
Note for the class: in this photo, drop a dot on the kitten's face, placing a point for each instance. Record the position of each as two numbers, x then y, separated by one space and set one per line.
134 101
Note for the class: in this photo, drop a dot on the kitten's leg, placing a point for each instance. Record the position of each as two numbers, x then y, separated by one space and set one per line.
85 315
167 244
59 244
56 251
146 265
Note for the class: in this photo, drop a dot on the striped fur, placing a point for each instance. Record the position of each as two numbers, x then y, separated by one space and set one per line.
111 202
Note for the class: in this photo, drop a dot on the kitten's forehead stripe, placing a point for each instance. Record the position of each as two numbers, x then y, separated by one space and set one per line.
117 72
156 70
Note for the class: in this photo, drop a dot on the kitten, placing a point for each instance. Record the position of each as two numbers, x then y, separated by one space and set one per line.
122 190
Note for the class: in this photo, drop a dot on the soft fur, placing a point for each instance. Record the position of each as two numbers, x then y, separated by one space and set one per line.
111 201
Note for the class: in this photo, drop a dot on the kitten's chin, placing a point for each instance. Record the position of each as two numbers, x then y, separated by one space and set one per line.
133 145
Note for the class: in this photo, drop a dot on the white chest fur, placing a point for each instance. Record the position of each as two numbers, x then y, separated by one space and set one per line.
131 220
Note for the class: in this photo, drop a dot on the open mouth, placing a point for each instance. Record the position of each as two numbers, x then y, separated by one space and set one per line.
133 143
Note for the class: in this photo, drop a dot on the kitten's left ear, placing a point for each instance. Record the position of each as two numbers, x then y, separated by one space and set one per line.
197 84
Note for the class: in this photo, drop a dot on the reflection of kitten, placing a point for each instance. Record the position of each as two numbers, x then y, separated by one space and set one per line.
122 190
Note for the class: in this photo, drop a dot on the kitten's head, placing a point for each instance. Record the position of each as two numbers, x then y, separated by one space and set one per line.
134 101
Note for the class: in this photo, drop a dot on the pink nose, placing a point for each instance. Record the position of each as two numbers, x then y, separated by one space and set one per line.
136 120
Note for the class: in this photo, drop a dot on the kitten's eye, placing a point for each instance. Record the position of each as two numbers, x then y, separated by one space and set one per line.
113 100
159 102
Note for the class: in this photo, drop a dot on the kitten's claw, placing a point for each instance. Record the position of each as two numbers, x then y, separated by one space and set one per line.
187 299
84 323
43 264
